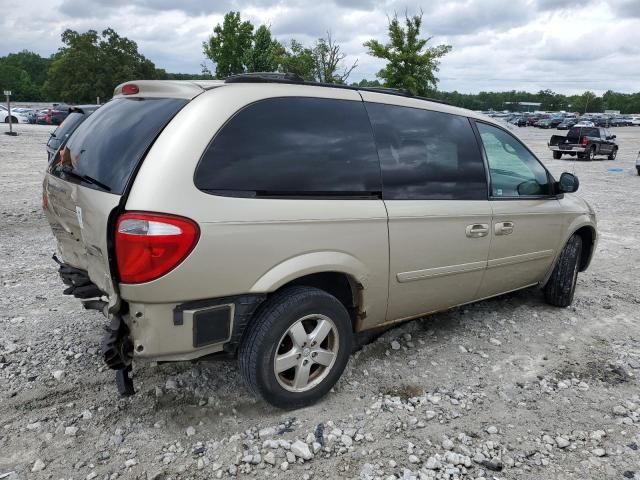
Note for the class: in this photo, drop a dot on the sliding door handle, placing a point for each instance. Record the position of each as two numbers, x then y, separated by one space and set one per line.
477 230
503 228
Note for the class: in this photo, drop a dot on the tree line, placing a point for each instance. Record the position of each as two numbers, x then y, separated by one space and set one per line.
90 64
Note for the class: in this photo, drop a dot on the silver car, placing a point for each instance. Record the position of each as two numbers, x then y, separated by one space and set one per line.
273 219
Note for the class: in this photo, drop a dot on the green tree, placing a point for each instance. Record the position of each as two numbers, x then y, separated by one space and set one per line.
229 45
90 65
263 55
329 61
19 82
411 64
297 59
587 102
367 83
32 63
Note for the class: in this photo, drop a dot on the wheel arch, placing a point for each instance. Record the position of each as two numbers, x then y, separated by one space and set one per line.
339 274
584 227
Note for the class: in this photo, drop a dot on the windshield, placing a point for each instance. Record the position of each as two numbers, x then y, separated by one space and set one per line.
106 148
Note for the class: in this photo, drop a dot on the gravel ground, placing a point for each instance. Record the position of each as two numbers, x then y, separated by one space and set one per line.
508 388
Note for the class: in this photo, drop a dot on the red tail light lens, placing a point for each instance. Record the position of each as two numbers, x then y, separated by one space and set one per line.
150 245
130 89
585 141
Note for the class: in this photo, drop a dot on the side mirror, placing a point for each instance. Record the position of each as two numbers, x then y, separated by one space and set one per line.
568 183
613 136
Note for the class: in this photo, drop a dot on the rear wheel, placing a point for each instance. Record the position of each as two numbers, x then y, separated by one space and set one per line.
612 155
557 155
638 169
296 347
561 286
591 155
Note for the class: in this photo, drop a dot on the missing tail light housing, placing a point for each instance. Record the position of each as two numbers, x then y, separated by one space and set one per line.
150 245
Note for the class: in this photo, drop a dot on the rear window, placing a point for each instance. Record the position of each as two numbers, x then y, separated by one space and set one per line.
293 146
106 148
576 132
65 129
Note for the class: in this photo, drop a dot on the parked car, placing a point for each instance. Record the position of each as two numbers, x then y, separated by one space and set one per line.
77 114
555 121
585 123
42 116
28 112
272 219
585 142
544 123
635 121
566 124
16 115
518 121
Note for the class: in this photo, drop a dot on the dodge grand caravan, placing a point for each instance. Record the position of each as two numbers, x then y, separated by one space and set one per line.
272 219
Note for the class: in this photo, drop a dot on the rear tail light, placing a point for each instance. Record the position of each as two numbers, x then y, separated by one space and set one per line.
150 245
585 141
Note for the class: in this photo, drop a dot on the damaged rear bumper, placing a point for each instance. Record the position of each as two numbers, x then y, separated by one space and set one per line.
116 346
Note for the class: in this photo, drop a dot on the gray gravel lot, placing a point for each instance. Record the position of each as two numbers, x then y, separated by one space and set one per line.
508 388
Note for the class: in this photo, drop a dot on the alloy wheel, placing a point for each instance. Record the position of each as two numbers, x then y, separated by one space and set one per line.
306 353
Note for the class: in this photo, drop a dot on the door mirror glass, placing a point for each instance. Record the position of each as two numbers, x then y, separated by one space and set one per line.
568 183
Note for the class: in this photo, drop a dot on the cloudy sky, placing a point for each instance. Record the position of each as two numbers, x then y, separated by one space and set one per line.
566 45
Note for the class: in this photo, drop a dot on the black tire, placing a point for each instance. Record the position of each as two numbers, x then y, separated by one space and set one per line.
591 155
557 155
261 342
561 286
612 155
638 169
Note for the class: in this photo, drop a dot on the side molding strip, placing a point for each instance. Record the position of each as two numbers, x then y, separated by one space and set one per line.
404 277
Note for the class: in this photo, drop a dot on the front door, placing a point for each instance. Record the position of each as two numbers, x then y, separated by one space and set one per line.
435 192
526 222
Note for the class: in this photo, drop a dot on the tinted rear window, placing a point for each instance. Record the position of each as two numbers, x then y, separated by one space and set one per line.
427 155
293 146
106 148
576 132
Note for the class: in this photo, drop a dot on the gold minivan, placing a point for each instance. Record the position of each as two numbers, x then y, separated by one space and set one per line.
272 219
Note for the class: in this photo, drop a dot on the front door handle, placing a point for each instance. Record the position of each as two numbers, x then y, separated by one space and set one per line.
477 230
503 228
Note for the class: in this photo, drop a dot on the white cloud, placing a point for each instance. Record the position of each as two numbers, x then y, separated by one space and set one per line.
565 45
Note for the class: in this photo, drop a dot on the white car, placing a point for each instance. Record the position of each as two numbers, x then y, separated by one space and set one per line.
585 123
17 116
635 121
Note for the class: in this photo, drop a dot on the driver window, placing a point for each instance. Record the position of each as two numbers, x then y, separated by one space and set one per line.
515 172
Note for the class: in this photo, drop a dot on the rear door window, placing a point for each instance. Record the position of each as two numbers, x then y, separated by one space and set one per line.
427 155
106 148
293 146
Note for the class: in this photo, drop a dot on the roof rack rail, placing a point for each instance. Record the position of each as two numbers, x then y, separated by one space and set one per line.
277 77
264 77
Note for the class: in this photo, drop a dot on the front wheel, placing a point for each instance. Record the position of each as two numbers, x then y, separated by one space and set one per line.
591 155
296 347
612 155
561 286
